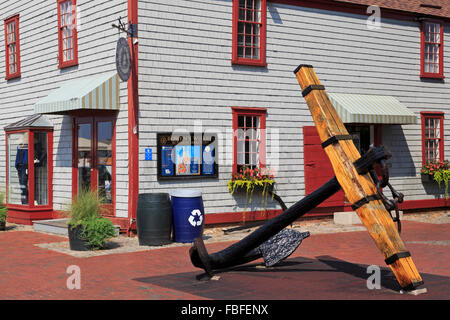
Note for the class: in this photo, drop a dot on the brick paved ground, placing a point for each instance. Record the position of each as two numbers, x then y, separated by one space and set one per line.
326 266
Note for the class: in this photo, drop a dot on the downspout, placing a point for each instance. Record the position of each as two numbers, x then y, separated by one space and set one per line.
133 112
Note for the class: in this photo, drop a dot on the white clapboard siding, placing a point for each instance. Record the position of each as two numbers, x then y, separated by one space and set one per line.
40 75
186 76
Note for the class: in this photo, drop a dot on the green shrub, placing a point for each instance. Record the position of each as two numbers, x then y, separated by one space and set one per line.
86 205
3 210
85 211
96 231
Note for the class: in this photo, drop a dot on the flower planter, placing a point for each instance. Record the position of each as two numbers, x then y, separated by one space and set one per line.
2 226
427 178
75 241
256 189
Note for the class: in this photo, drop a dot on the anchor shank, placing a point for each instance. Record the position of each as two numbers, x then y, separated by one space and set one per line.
233 254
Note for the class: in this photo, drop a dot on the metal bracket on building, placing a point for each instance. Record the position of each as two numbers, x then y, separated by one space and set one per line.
131 31
378 156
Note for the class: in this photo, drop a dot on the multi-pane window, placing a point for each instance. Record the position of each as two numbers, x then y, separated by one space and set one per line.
249 32
12 47
67 33
432 137
432 50
249 138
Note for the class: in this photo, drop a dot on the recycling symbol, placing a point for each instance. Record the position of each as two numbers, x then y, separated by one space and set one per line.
196 218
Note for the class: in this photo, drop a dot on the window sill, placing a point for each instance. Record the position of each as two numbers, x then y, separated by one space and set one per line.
432 75
248 62
13 76
67 64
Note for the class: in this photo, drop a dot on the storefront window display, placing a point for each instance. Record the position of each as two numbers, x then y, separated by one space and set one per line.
28 155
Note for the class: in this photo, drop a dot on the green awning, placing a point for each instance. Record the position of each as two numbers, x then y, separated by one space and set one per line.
354 108
99 92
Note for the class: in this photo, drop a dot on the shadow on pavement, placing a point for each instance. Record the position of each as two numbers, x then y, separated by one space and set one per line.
322 278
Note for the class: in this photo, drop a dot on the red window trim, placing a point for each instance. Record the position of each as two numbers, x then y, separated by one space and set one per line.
246 111
17 74
78 118
262 50
64 64
433 114
31 206
423 74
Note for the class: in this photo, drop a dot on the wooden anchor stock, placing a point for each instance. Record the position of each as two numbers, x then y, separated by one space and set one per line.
360 190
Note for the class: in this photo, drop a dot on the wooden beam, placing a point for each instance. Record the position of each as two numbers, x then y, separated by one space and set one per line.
342 154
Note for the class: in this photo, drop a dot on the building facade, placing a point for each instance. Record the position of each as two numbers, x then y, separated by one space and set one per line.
221 71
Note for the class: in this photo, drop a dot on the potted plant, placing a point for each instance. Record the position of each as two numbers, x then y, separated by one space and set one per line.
87 229
3 213
251 180
439 172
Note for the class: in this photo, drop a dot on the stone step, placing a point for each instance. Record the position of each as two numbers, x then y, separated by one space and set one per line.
57 226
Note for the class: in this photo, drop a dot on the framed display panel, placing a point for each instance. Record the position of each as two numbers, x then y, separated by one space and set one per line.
187 156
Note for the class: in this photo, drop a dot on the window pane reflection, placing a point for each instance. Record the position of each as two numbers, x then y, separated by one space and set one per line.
104 160
84 157
18 168
40 169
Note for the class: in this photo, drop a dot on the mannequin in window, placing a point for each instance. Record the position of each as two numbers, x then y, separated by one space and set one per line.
22 168
40 172
104 176
40 155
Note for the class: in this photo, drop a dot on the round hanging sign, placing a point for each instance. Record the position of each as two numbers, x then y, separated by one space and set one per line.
123 59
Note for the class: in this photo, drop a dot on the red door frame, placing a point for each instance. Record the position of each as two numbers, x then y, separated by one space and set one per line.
93 121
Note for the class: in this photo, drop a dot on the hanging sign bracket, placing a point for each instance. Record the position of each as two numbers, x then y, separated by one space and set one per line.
131 31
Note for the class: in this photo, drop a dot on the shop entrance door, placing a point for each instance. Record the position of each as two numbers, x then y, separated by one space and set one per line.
94 158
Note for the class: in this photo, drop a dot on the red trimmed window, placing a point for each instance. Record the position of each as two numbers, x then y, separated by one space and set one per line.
249 32
249 127
12 47
432 50
432 136
67 33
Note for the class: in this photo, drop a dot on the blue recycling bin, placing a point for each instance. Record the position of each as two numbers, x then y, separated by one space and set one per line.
188 214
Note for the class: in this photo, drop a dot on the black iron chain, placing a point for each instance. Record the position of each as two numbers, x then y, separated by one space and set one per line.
398 197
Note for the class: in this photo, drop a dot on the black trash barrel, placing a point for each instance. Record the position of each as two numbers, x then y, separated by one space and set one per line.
154 219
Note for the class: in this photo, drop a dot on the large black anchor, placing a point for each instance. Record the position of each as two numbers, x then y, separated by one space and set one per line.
268 241
273 243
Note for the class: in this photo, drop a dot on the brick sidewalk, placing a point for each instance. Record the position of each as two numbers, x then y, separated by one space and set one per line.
326 266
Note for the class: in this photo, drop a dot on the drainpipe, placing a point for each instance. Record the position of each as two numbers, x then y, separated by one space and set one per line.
133 129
